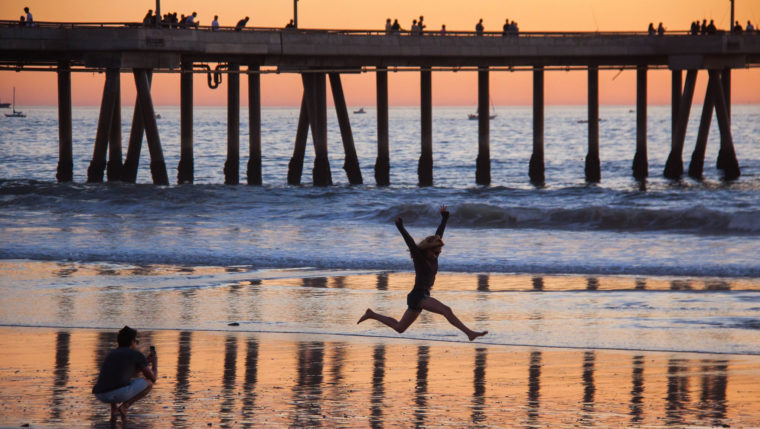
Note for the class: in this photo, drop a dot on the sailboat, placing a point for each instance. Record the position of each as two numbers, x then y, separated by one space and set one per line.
16 113
474 116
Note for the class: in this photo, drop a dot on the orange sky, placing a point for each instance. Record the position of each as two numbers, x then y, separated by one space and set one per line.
39 88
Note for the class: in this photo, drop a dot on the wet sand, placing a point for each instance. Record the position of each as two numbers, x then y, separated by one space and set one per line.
244 379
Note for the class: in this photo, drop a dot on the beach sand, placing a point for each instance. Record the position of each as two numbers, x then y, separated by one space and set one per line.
247 379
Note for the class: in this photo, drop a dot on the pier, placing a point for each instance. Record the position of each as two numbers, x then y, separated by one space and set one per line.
322 55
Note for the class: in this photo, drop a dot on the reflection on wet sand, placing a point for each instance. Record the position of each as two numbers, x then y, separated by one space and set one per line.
289 381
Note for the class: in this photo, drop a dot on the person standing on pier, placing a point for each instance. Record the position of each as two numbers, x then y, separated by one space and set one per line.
115 384
215 23
29 18
425 258
240 24
479 27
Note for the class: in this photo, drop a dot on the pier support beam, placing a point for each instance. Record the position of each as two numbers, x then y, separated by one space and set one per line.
536 167
593 165
723 154
114 165
483 163
351 163
157 164
232 165
382 164
674 164
315 90
295 166
640 160
98 163
253 172
132 160
696 166
186 167
65 172
676 86
728 163
425 165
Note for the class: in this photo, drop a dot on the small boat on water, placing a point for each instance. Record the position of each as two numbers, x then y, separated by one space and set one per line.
16 113
476 115
360 111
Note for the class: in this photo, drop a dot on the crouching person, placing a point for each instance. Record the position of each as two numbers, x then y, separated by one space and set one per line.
115 384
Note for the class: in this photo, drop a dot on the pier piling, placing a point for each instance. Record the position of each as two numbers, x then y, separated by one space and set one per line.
65 170
351 163
295 166
315 90
696 166
157 164
382 164
425 165
114 165
728 163
674 164
98 163
640 161
186 167
483 162
253 171
232 165
536 167
593 167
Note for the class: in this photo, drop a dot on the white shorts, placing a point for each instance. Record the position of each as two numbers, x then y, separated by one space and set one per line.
125 393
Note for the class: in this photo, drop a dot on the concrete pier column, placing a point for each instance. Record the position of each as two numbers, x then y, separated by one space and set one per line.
593 165
674 164
65 171
132 160
186 167
382 164
114 165
295 166
232 165
724 158
98 163
676 87
640 160
730 165
253 172
536 167
157 164
425 165
315 88
483 162
351 164
696 166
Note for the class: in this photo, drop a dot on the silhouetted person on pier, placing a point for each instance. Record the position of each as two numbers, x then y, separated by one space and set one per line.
651 29
660 30
711 28
215 23
694 29
22 21
425 258
750 28
29 18
290 25
396 27
148 18
738 28
703 29
415 28
514 30
420 25
190 20
115 384
505 28
240 24
443 30
388 26
479 27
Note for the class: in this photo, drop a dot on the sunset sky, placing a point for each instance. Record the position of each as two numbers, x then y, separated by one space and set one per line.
39 88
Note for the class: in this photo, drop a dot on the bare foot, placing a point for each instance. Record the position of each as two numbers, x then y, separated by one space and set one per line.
367 315
476 335
123 412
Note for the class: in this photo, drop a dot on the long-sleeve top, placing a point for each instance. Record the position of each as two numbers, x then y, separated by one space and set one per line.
425 268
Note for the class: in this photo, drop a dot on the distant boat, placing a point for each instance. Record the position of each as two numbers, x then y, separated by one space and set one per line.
360 111
16 113
475 116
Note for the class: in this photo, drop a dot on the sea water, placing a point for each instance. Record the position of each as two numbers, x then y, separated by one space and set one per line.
682 237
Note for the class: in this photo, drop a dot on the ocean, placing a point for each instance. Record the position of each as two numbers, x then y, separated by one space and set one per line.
667 265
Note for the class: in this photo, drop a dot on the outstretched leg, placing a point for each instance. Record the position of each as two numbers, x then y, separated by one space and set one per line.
435 306
397 325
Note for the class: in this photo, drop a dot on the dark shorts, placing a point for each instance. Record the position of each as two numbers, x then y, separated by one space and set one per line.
415 297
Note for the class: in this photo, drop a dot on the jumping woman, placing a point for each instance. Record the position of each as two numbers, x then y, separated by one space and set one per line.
425 258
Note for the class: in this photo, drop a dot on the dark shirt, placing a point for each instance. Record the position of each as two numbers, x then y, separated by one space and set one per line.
424 269
118 368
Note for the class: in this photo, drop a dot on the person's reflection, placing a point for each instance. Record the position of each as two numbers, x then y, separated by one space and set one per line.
678 392
589 387
641 284
316 282
479 387
228 381
592 283
680 285
182 384
637 391
382 281
420 390
534 388
251 377
538 283
483 280
339 282
713 404
378 387
61 373
308 389
717 285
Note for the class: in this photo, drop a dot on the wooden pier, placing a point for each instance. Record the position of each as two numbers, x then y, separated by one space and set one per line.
319 55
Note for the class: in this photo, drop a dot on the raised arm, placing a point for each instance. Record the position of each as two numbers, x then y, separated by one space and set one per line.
444 218
407 238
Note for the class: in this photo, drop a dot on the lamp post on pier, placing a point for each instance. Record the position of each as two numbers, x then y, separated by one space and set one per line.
295 13
158 13
732 16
